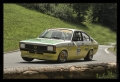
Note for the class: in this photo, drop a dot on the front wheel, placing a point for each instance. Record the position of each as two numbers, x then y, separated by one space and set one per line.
62 57
89 56
27 59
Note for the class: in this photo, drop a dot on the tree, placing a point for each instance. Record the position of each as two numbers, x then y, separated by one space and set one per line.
106 13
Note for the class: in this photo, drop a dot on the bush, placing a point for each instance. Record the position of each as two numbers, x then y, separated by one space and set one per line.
109 75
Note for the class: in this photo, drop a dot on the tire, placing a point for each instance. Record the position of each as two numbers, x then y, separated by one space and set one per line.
27 59
62 57
89 56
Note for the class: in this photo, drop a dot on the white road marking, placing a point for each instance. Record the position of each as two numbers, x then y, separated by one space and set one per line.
106 50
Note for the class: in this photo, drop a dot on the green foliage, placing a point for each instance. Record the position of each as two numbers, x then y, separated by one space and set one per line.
80 9
101 33
109 75
113 48
89 15
63 11
104 13
21 23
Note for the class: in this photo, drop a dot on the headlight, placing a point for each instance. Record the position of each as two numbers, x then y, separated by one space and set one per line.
22 45
51 48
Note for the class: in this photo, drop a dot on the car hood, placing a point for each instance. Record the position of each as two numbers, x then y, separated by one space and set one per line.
43 41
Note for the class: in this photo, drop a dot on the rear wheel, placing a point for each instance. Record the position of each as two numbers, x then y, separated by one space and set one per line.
62 57
89 56
27 59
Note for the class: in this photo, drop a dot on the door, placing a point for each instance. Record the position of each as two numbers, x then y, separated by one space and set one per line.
86 43
79 45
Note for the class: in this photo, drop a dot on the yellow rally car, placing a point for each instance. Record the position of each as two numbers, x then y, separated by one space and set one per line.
59 44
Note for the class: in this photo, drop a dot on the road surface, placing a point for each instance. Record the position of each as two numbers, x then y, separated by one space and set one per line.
14 60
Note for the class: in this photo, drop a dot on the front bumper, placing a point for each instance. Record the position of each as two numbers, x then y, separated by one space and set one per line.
42 55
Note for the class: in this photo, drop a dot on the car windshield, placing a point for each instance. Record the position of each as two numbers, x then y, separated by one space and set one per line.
63 34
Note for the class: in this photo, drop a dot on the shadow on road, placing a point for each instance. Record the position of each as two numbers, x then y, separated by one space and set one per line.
53 62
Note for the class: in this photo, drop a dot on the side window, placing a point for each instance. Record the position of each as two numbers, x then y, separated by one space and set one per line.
77 36
85 37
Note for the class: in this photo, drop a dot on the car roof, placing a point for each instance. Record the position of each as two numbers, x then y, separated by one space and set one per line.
66 29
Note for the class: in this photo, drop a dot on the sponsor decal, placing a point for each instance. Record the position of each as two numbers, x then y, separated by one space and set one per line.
78 50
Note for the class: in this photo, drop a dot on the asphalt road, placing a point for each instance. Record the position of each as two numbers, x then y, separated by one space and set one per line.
14 60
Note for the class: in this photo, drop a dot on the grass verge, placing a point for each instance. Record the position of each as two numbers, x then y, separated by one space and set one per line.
108 75
21 23
113 48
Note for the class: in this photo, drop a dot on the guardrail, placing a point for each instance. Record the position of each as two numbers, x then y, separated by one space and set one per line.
88 71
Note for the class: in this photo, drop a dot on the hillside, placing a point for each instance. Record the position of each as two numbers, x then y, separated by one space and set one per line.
21 23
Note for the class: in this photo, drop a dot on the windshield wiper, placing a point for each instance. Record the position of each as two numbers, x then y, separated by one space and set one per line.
44 37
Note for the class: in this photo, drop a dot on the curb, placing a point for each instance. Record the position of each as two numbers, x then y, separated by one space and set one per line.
88 71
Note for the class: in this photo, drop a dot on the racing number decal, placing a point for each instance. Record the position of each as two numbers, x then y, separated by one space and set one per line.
78 50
